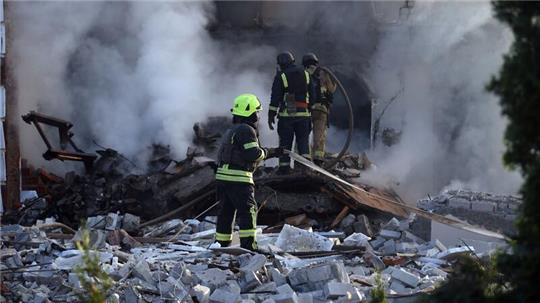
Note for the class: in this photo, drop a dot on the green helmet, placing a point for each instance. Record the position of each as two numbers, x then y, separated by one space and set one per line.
245 105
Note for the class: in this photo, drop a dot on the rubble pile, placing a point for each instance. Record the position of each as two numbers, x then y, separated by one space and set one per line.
109 188
494 212
177 261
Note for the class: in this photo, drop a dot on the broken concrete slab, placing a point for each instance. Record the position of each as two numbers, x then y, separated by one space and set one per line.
130 223
374 260
222 296
334 290
293 239
248 281
390 234
314 277
255 263
357 239
405 277
389 247
454 252
112 221
142 271
211 277
202 293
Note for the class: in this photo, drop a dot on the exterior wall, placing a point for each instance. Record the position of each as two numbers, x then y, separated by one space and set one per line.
10 152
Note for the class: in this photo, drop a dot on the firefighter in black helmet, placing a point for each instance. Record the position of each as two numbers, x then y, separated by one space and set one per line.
322 93
290 102
238 157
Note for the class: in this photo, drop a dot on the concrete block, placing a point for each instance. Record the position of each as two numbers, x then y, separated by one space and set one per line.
305 298
405 277
432 252
97 222
459 203
377 243
14 261
222 296
389 247
316 276
483 206
254 264
438 244
432 270
356 270
405 247
454 252
374 260
362 225
294 239
130 223
320 273
249 281
142 271
267 287
357 239
390 234
232 286
278 277
202 293
286 298
112 221
347 221
212 278
404 225
285 289
412 237
334 290
393 224
432 260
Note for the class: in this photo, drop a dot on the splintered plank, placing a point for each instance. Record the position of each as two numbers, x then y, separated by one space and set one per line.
342 214
384 201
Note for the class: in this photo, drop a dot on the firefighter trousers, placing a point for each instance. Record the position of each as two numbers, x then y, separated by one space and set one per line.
236 200
290 127
320 122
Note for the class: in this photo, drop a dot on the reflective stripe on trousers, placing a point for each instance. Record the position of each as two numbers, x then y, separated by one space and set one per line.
319 119
237 201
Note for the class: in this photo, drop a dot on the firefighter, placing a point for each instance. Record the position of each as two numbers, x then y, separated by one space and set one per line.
322 93
290 102
238 157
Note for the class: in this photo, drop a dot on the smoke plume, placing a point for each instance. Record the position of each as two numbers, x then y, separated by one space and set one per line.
128 74
437 62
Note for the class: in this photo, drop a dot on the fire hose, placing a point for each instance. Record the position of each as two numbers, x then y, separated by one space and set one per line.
333 162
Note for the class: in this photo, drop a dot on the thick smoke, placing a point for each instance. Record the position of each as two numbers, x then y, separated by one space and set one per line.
128 74
438 62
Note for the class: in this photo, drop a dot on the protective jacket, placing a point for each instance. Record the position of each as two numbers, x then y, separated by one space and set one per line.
321 95
290 92
239 154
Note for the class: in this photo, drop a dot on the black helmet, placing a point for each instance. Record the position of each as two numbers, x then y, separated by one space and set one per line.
285 59
310 59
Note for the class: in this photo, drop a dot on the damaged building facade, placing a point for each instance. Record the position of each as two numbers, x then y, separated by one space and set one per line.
325 235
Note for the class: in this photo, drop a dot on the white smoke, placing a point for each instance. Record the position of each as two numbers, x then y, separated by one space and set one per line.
128 74
438 62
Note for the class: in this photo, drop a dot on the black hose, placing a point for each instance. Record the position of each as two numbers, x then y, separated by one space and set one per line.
333 162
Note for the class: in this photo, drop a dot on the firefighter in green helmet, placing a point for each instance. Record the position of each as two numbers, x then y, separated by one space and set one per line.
238 156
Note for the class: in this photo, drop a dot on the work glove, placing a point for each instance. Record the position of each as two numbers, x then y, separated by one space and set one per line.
274 152
271 119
